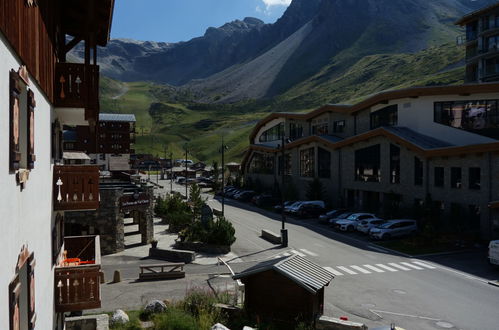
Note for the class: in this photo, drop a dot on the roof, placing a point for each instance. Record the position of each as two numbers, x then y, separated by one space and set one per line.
75 155
421 140
382 97
117 117
302 271
477 13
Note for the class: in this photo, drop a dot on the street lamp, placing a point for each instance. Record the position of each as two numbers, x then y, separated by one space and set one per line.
186 174
222 150
171 172
284 231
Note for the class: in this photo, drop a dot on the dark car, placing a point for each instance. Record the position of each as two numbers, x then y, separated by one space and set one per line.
265 200
324 218
278 207
310 211
245 196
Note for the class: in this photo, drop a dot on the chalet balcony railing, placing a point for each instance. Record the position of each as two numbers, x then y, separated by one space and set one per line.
77 86
77 278
76 187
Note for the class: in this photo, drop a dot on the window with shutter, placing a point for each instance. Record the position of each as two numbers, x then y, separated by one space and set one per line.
31 292
31 130
14 306
15 119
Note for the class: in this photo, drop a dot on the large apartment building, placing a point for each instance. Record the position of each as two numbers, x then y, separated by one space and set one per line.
397 148
482 44
44 273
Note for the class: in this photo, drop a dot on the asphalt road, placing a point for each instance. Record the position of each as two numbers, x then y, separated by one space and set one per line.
373 286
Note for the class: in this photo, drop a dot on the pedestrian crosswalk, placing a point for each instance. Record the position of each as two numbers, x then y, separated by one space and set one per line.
365 269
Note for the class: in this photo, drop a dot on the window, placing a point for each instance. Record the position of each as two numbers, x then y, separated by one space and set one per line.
262 164
22 293
307 162
394 164
320 129
455 177
492 66
418 172
339 126
480 117
287 165
474 178
439 177
295 131
367 164
324 159
273 134
387 116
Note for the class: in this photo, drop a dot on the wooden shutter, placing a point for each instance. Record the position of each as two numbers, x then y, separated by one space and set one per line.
15 116
31 292
14 306
31 130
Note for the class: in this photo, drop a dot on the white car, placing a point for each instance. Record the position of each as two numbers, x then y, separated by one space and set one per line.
364 226
494 252
394 228
351 221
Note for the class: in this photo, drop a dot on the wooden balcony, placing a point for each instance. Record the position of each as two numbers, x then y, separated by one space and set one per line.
77 86
77 278
76 187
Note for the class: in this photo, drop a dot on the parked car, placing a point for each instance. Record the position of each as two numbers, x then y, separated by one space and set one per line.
350 223
296 208
494 252
342 216
245 196
309 210
364 226
394 228
180 180
277 207
265 200
232 193
290 208
324 218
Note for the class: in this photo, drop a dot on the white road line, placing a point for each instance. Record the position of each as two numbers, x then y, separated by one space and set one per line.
333 271
387 268
423 264
376 269
298 253
360 269
411 265
398 266
309 252
346 270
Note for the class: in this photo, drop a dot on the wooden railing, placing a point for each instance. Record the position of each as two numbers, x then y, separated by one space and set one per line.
76 187
77 86
77 279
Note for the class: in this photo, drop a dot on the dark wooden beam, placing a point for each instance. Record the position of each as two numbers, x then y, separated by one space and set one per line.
70 45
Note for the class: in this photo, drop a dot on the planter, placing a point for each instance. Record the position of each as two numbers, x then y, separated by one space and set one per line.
202 247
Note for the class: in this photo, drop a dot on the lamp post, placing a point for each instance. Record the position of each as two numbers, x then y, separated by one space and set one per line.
186 174
222 150
284 231
171 172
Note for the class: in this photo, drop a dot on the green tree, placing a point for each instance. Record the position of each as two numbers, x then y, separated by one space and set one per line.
315 190
197 201
216 176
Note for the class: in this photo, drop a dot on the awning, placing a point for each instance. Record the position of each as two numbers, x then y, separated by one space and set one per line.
75 155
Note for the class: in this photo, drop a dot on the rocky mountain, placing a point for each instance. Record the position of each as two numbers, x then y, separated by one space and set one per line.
251 60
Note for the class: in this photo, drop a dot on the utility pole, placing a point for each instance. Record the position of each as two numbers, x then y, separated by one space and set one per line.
186 175
222 150
171 172
284 231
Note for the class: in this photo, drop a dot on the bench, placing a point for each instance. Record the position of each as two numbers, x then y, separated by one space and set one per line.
217 212
162 271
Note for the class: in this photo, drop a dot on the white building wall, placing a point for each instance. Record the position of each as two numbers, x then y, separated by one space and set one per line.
417 114
26 216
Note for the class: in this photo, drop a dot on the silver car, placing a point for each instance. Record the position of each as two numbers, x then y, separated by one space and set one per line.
365 226
394 228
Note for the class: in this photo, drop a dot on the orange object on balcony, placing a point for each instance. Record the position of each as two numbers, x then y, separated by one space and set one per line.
76 187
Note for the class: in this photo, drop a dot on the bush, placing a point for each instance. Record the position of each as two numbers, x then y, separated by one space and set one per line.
174 211
221 232
175 319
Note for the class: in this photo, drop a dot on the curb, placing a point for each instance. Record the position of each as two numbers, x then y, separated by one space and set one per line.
390 250
494 283
436 254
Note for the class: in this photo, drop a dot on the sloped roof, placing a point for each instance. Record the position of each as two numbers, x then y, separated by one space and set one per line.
302 271
117 117
477 13
75 155
421 140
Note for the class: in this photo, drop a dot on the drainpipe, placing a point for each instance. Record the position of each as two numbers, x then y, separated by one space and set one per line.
489 165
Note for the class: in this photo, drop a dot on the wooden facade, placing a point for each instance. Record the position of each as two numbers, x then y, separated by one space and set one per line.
76 187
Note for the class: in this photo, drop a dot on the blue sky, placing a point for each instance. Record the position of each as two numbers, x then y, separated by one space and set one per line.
182 20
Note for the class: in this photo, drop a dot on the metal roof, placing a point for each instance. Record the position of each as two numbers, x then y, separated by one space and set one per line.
302 271
75 155
421 140
125 117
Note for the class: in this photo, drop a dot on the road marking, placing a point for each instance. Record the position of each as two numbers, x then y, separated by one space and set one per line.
398 266
411 265
333 271
298 253
424 264
346 270
374 311
377 270
387 268
309 252
360 269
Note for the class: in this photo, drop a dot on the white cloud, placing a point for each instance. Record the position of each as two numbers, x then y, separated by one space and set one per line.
270 3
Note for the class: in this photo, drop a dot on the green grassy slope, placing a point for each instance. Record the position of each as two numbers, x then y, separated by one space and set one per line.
167 119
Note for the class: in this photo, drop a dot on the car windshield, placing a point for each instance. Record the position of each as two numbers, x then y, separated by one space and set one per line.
344 215
386 225
352 217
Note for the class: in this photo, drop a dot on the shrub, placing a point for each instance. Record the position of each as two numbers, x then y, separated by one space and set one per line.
175 319
221 232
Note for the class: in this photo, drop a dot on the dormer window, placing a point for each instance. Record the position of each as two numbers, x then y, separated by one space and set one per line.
388 116
273 134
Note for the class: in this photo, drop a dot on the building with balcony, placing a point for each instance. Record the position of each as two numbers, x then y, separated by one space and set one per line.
110 145
482 44
40 93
